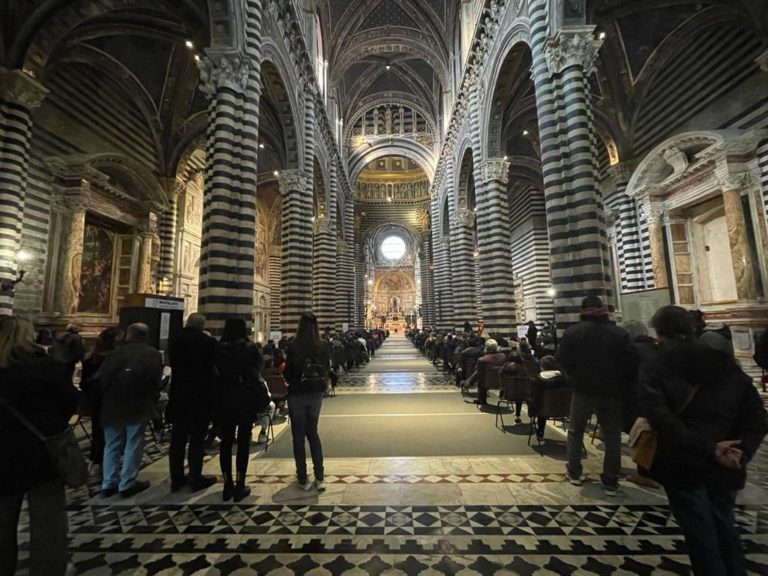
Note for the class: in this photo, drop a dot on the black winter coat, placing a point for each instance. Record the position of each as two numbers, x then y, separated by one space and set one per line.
239 364
39 387
193 368
123 406
598 358
726 407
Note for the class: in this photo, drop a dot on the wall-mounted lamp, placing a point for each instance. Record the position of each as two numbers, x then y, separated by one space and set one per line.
189 44
8 287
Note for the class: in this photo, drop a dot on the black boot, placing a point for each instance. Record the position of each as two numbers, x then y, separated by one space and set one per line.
229 488
241 490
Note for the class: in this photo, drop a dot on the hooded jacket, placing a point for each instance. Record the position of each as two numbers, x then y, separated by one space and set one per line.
726 406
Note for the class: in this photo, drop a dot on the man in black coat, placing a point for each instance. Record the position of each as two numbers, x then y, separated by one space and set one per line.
710 421
191 399
130 381
600 363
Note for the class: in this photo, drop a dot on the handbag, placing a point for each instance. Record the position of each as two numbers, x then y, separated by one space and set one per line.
65 454
644 440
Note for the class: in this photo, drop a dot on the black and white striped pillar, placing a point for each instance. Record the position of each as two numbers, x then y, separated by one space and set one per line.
345 264
427 283
578 244
233 81
296 277
630 247
462 262
166 229
493 244
19 95
444 318
324 261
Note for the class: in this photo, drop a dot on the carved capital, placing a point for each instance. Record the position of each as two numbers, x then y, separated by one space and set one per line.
18 87
736 182
75 197
496 169
464 218
147 228
291 180
652 209
573 46
224 69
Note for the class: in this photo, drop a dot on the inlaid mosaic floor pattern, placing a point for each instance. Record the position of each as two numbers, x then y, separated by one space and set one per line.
466 516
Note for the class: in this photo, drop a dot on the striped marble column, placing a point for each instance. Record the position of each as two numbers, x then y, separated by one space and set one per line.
427 285
19 95
628 242
324 262
462 262
275 280
444 318
493 242
233 80
166 229
578 246
762 162
345 265
296 278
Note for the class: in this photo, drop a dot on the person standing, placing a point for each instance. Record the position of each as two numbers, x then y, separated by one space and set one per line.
242 394
91 387
532 334
130 380
68 348
307 365
710 421
37 387
190 403
600 362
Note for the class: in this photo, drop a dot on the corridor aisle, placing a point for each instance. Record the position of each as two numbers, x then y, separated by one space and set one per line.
509 511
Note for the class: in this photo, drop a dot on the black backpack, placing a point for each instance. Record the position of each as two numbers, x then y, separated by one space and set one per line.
313 376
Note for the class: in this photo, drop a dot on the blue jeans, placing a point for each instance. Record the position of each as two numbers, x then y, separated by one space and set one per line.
127 444
304 411
705 515
609 415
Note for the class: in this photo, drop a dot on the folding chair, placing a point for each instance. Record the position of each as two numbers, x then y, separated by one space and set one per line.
555 405
513 389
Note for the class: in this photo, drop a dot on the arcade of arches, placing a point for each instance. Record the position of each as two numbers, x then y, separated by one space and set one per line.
389 163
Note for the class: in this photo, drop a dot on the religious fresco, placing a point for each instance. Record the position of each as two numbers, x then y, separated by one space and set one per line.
95 294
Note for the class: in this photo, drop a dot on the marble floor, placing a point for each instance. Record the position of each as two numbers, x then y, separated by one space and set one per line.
415 516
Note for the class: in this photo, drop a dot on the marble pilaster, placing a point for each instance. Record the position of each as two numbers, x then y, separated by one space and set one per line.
147 234
741 253
73 201
654 216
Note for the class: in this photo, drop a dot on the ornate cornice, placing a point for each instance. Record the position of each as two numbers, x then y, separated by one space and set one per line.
17 87
736 182
224 69
495 169
573 46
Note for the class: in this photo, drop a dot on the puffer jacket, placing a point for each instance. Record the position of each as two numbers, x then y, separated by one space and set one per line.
727 406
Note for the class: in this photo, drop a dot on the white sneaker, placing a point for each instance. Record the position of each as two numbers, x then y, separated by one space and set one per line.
307 486
320 485
575 481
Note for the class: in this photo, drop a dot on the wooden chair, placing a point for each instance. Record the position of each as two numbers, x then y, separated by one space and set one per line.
555 405
513 389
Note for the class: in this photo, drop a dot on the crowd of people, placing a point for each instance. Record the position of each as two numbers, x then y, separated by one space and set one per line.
685 385
212 388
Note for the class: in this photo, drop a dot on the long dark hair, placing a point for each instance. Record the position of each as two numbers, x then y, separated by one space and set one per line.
307 334
234 329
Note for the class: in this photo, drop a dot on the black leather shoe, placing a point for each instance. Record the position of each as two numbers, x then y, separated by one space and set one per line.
138 486
108 492
202 483
176 486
